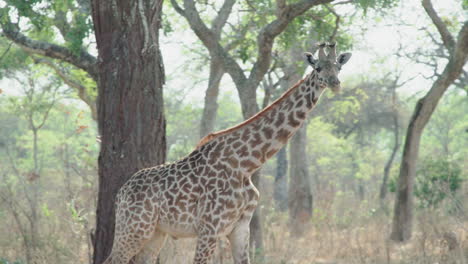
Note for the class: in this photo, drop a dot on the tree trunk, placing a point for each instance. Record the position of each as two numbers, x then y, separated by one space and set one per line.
403 210
250 108
130 103
388 165
300 194
211 98
280 191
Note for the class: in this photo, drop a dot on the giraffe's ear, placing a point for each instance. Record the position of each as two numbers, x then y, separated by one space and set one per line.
310 59
343 58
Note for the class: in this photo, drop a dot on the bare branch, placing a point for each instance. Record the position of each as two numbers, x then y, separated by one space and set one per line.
6 51
447 38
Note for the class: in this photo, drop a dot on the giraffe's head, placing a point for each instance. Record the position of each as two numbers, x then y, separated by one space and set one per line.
328 65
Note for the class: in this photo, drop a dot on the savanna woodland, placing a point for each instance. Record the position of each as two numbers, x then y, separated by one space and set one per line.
93 91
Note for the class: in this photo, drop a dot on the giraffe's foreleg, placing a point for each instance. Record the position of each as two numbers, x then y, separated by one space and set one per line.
206 245
239 240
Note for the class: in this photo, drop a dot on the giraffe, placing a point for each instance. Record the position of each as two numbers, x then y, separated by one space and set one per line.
209 193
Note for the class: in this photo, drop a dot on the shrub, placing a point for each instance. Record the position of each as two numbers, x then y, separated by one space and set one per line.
435 179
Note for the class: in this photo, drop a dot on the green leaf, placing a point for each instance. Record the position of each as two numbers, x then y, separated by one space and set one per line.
45 210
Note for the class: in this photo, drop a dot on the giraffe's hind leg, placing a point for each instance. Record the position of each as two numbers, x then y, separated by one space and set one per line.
150 251
133 230
130 243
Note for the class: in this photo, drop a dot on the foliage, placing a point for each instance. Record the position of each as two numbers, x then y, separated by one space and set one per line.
67 15
436 179
5 261
12 58
67 152
66 23
376 4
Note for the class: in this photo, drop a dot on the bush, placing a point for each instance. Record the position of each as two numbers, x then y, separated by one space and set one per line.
435 179
5 261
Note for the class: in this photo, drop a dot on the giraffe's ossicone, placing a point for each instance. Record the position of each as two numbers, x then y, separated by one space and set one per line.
209 194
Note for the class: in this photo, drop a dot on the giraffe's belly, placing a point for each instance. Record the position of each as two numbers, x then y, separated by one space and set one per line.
177 230
176 223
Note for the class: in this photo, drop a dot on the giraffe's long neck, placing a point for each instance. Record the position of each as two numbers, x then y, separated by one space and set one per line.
248 145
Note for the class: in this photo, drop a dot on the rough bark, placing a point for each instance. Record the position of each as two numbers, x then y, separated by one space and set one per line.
300 194
130 104
403 210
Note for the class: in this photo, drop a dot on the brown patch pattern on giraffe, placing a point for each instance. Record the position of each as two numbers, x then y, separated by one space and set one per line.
208 194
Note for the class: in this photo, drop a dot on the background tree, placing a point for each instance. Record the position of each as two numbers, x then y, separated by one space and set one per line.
403 210
34 108
247 84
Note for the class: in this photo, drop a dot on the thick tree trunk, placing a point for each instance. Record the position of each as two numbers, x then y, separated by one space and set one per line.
280 191
211 98
403 210
130 102
300 194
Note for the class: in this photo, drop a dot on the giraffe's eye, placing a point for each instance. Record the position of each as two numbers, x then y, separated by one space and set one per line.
318 69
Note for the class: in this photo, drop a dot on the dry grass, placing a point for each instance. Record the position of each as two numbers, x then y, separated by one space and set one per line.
349 237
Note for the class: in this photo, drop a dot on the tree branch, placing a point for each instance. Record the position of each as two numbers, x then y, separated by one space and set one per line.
84 60
285 14
6 51
222 17
81 90
447 38
208 39
246 85
337 22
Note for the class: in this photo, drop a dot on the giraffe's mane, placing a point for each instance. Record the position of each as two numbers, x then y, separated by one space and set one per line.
258 115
